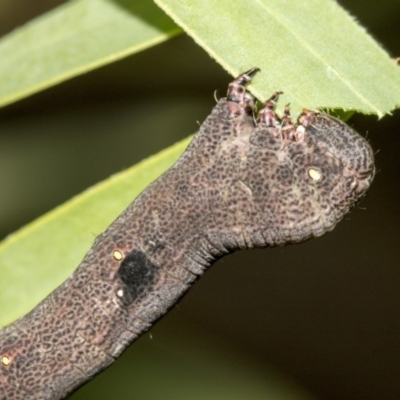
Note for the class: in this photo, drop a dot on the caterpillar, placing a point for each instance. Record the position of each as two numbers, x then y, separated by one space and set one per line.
246 180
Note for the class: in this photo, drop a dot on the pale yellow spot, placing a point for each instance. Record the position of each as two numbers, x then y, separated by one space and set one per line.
314 174
5 360
117 255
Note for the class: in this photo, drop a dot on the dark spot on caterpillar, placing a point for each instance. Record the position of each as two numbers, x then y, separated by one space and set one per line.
138 274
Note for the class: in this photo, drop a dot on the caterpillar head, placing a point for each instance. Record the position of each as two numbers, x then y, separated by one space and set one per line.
270 181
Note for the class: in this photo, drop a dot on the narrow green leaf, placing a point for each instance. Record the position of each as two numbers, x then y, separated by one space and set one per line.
42 255
312 50
75 38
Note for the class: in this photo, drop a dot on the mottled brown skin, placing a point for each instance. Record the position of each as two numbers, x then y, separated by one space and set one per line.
240 184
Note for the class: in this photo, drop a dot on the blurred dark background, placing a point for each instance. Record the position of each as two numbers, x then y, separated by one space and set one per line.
321 319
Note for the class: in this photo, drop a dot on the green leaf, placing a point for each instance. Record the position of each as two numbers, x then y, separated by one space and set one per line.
312 50
75 38
42 255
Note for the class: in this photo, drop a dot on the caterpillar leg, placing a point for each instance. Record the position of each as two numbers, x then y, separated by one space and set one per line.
240 102
267 114
283 128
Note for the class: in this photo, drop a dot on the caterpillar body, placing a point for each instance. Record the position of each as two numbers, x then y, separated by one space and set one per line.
243 182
